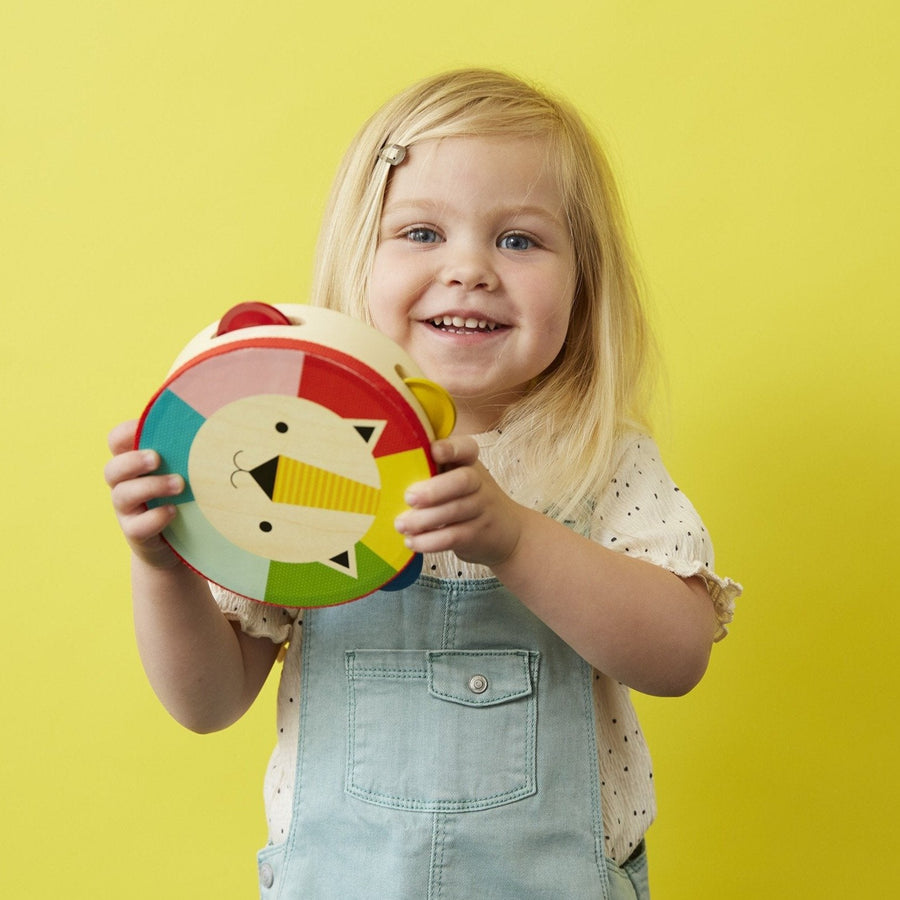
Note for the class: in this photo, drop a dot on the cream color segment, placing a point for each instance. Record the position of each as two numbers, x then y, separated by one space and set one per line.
252 431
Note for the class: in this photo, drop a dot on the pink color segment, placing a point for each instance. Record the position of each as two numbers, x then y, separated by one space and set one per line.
237 373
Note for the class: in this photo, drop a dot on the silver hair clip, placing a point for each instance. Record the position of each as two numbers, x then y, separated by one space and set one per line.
392 154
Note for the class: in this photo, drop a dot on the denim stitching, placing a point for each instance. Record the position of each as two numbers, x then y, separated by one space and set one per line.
487 699
526 788
436 869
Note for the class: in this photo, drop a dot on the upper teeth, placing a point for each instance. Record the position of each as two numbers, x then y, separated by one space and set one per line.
460 322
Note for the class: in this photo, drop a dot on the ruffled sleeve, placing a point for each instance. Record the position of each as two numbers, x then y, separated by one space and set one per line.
645 515
256 619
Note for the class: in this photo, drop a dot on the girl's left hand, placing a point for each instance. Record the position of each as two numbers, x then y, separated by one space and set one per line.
461 509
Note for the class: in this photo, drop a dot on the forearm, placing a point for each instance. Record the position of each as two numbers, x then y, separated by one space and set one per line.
204 671
632 620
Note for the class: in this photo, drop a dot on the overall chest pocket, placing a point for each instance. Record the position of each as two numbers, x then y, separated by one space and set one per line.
441 730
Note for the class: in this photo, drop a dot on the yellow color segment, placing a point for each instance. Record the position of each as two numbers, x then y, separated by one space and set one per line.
301 484
398 471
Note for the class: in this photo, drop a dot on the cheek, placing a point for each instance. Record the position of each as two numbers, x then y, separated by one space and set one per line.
385 311
380 289
556 328
558 303
396 282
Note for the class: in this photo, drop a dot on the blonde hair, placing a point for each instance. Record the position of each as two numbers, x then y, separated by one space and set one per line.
563 434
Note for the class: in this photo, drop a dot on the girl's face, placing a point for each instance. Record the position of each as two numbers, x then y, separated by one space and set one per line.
474 272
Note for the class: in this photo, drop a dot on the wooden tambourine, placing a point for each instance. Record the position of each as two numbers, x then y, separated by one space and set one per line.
297 431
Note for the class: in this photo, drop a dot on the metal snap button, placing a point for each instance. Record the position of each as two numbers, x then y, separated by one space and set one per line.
478 684
266 876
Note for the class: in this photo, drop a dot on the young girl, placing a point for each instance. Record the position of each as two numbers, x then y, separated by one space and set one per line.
472 735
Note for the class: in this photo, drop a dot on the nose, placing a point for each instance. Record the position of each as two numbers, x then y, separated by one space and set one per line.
470 268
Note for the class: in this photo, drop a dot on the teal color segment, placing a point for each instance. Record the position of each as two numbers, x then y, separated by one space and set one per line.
213 555
169 429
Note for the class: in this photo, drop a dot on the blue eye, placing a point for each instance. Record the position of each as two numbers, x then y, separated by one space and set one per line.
423 235
515 242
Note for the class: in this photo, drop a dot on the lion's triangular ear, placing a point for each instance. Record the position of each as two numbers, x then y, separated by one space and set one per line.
250 315
370 430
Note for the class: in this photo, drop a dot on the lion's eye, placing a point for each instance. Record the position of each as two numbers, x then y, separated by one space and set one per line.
281 427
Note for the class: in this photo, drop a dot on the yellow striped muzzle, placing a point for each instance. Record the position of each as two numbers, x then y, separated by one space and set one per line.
286 480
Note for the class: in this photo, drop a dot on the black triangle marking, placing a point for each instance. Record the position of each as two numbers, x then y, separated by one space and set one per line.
365 432
264 475
342 559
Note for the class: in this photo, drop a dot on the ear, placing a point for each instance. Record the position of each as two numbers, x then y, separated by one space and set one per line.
437 403
250 315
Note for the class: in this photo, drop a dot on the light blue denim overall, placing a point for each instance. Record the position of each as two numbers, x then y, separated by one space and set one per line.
446 751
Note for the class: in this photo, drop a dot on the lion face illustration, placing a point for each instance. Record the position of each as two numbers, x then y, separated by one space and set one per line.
295 454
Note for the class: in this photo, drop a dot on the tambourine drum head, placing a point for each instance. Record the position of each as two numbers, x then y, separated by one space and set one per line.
295 458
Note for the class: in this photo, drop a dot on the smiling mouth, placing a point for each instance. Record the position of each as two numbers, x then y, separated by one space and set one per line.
460 325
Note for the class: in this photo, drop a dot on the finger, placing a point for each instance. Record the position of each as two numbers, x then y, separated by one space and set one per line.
122 437
134 494
145 526
443 488
459 450
130 464
431 541
459 511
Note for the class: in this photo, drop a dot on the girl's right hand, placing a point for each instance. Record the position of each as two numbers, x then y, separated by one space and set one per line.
130 477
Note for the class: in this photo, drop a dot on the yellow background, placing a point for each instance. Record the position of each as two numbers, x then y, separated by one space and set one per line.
162 161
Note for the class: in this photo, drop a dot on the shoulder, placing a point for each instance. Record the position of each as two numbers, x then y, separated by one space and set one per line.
641 495
642 512
638 473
